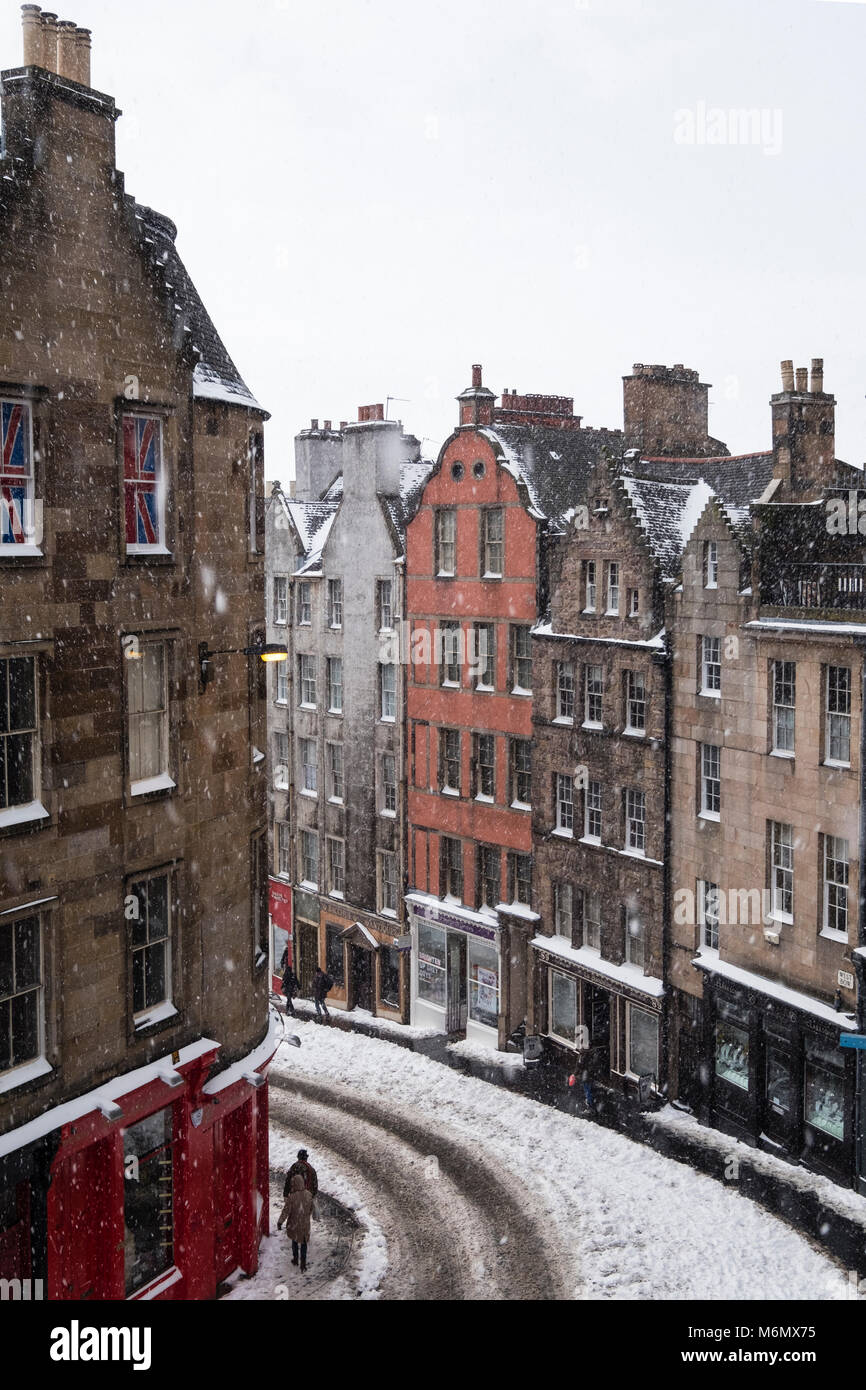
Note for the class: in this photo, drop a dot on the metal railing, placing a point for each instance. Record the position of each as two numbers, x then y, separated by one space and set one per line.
818 586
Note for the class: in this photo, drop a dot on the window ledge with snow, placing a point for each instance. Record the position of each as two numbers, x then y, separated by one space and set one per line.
341 897
310 793
485 689
388 912
834 762
830 934
21 552
782 753
633 733
304 705
389 815
562 833
148 785
715 817
710 694
159 1014
520 806
566 720
449 791
484 798
147 550
309 885
591 726
520 690
591 840
28 814
30 1071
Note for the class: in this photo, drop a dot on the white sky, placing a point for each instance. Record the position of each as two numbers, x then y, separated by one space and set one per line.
373 196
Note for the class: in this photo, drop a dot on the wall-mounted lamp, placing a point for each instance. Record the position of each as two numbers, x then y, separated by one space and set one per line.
264 651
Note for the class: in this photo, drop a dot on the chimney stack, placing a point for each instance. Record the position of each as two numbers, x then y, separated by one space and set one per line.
66 49
817 375
31 24
787 375
804 432
476 376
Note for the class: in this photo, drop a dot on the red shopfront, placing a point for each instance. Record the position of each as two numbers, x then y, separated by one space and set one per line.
280 908
166 1197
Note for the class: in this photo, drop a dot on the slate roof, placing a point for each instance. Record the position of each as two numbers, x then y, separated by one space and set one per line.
216 377
554 465
668 513
312 521
736 480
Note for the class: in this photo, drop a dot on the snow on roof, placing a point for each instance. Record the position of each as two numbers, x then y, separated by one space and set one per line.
737 480
312 522
667 513
831 629
216 377
545 629
625 974
554 465
793 998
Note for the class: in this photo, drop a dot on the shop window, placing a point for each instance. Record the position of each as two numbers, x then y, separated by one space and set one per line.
824 1092
779 1081
389 977
643 1042
21 1004
563 1007
483 983
334 955
148 1199
431 964
732 1054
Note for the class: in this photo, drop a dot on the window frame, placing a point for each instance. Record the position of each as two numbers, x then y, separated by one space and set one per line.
387 697
517 752
387 785
29 547
336 777
160 546
335 605
336 866
442 543
489 543
142 1018
519 662
451 867
829 844
710 666
708 920
781 873
162 781
783 684
306 838
281 600
635 702
563 689
483 772
564 804
334 664
450 761
635 825
307 683
388 857
12 814
612 589
9 921
710 784
485 644
592 695
844 716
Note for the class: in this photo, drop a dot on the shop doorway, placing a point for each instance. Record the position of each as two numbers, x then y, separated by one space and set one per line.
308 956
457 995
597 1015
361 969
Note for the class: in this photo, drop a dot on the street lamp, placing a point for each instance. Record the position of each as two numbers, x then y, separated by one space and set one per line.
265 651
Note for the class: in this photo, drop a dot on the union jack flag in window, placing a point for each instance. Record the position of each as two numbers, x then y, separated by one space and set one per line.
16 473
142 478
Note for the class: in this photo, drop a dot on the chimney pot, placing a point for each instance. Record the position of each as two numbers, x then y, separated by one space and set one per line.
82 53
49 40
66 49
379 412
802 379
327 427
343 424
787 375
314 424
31 24
817 375
476 376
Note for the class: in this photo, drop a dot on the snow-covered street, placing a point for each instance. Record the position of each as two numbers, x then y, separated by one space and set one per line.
465 1190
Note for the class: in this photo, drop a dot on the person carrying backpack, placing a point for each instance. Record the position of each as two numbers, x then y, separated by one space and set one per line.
322 983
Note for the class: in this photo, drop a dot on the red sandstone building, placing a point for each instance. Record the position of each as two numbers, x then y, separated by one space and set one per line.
473 585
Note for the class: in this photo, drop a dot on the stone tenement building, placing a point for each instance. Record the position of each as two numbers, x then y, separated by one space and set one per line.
133 974
769 628
337 711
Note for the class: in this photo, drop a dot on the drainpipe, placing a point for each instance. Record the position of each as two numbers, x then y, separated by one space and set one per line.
666 854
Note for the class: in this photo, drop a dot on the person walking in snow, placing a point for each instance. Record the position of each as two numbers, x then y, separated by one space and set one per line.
303 1168
297 1213
322 983
291 984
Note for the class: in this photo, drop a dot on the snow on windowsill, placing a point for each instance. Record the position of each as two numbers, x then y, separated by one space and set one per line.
161 783
448 791
715 817
833 762
830 935
561 833
309 886
23 815
520 690
520 806
566 720
30 1071
147 550
484 799
634 733
592 726
710 694
389 815
21 552
157 1015
787 753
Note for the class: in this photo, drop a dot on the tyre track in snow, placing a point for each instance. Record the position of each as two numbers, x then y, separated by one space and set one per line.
465 1235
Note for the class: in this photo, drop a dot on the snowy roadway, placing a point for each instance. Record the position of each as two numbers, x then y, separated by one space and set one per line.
463 1190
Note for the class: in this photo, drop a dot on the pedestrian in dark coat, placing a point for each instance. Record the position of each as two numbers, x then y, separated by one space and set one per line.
321 984
306 1171
297 1212
291 986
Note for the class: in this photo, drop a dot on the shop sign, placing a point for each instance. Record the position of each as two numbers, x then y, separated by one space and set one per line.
402 943
443 918
855 1040
846 979
280 905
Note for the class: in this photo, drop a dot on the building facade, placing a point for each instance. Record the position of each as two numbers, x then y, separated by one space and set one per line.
767 800
133 983
337 712
476 575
